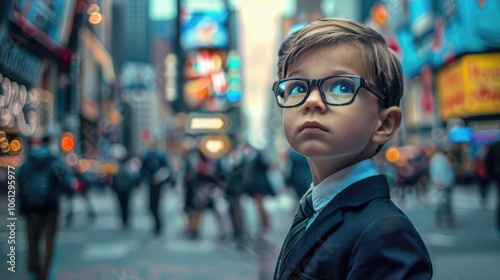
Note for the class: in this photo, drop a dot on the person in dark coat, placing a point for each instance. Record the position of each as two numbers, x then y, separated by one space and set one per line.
300 177
123 183
229 177
481 174
42 180
156 172
493 165
257 184
200 186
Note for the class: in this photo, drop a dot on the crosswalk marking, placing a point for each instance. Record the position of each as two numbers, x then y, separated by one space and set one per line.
198 246
438 239
106 252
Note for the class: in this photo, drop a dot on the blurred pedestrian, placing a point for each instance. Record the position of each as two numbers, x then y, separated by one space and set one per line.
410 172
257 184
123 182
83 186
493 165
442 177
42 180
230 178
201 191
190 184
156 172
481 174
299 177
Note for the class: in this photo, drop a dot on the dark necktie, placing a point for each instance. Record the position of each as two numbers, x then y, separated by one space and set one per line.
305 211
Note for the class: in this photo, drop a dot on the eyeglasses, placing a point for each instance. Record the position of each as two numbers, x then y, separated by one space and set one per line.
334 90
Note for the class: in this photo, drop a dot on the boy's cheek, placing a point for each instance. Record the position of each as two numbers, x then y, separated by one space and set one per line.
289 123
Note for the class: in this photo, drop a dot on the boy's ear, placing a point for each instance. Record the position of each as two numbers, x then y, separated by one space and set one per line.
388 123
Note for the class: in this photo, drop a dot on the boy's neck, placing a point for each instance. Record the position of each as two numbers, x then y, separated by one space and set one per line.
322 168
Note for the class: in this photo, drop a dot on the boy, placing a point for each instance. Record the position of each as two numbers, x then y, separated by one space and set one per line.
340 86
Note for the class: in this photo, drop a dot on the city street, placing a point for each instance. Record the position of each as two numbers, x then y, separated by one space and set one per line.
250 96
101 250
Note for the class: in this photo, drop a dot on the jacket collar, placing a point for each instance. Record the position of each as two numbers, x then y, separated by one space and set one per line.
330 218
365 190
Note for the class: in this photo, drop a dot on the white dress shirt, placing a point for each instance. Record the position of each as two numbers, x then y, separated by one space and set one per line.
327 189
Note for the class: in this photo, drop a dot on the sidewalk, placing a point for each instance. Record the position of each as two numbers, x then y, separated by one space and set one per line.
100 250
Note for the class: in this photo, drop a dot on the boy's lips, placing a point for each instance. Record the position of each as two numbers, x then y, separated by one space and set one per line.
313 125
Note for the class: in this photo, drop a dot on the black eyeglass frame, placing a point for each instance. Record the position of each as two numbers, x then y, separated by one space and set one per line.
311 83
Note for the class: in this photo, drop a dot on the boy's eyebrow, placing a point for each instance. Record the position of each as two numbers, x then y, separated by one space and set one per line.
342 72
294 73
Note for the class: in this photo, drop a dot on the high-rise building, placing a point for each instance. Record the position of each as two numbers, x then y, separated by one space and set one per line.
136 32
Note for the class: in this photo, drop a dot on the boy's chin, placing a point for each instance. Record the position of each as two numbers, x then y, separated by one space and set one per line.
332 154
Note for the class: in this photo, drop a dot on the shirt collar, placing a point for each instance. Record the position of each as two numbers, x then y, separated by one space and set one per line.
327 189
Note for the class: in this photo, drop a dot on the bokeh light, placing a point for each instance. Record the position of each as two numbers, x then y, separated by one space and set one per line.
392 155
71 159
67 142
15 145
95 18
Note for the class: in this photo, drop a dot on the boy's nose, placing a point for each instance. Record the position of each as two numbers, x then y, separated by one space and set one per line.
314 101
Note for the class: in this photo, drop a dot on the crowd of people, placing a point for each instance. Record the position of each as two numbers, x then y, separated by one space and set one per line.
432 167
204 181
45 180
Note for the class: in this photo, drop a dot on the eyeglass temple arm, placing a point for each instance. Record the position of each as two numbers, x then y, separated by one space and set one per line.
375 90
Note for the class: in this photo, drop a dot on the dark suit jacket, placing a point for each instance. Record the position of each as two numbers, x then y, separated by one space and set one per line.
362 235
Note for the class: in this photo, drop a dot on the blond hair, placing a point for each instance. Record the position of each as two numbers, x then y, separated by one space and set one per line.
383 65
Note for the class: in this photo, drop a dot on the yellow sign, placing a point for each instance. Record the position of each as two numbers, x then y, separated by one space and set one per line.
203 123
470 86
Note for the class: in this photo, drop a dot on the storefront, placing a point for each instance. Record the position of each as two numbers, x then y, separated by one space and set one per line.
96 80
30 55
468 90
470 87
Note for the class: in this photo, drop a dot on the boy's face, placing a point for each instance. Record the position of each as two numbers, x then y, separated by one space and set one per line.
342 132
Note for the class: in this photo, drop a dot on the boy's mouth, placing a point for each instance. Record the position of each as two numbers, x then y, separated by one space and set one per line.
312 126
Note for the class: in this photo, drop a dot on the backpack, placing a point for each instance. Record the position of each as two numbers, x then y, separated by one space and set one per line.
152 164
38 189
124 180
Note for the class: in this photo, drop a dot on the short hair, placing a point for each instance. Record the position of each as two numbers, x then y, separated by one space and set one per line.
383 66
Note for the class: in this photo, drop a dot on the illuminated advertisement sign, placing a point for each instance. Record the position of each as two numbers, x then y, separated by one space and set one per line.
470 86
52 17
205 80
411 59
204 29
436 37
420 16
212 80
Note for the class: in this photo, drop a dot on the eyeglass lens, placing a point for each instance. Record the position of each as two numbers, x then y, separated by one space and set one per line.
337 90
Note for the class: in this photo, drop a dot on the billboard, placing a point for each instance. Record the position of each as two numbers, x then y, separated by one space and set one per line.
204 29
440 31
205 79
470 86
52 17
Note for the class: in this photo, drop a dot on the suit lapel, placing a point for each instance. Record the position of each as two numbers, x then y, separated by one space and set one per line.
331 217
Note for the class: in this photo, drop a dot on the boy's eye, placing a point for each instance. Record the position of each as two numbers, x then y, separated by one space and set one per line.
340 86
294 87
